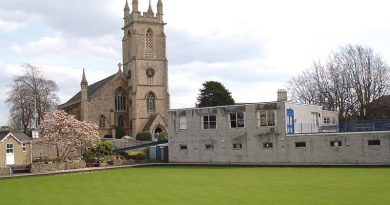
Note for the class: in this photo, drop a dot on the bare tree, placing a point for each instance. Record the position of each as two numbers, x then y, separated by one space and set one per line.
30 92
352 78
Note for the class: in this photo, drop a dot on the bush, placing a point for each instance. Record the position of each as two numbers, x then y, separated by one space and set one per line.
163 136
104 149
89 155
144 136
136 155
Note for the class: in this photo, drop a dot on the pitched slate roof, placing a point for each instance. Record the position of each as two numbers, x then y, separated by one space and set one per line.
91 90
20 136
150 122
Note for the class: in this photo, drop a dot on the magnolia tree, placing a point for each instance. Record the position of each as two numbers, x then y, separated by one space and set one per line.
67 134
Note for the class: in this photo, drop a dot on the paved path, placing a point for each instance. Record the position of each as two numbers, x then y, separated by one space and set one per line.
91 169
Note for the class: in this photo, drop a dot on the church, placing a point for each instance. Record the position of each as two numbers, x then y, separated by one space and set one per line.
135 98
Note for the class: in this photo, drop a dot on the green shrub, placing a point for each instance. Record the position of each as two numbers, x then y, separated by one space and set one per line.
104 148
89 155
163 136
144 136
136 155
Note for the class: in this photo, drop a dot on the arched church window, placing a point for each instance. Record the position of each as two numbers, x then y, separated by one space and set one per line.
121 121
151 102
102 121
120 100
149 43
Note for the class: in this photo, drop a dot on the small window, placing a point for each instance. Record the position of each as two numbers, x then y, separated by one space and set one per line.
183 122
10 148
374 142
267 145
336 143
183 147
209 122
209 146
102 122
266 118
300 144
326 120
24 147
237 146
237 119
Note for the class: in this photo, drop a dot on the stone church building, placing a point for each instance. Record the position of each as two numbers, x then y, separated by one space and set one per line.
135 98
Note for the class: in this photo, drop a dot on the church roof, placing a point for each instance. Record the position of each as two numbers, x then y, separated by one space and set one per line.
91 90
150 122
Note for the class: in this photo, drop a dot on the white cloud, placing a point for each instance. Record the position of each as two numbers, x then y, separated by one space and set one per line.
248 80
8 26
60 46
48 44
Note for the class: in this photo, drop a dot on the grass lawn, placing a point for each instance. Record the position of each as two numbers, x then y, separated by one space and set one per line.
204 185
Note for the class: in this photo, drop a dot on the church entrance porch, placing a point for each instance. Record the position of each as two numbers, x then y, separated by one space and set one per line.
157 132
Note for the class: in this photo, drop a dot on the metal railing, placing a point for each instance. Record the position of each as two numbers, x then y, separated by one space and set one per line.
307 128
364 125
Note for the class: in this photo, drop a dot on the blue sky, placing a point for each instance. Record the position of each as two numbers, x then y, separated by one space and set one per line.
251 46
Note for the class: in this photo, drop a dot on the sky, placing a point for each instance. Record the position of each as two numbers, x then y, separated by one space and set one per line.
253 47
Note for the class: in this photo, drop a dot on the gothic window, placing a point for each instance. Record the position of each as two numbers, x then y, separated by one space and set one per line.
102 121
120 100
149 43
121 122
151 102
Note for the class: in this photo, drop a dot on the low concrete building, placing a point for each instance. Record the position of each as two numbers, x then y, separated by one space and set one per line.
15 149
270 133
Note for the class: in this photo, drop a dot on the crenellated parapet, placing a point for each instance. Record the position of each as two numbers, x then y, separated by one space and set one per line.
149 16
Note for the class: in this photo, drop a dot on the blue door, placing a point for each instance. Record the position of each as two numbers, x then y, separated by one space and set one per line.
290 121
158 153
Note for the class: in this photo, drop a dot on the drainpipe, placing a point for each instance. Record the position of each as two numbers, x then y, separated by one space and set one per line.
31 152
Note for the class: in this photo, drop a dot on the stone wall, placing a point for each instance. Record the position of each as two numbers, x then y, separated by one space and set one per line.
42 167
4 171
46 152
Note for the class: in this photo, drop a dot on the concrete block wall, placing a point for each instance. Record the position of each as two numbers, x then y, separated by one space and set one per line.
354 148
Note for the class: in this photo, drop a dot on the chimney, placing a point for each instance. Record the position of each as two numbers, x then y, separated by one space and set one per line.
282 95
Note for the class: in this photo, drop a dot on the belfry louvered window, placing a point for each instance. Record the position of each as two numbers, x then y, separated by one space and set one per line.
149 43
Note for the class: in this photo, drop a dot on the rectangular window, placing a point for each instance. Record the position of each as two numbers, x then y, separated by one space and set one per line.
24 147
183 147
10 148
183 122
237 146
300 144
326 120
266 118
237 119
336 143
209 122
374 142
267 145
209 146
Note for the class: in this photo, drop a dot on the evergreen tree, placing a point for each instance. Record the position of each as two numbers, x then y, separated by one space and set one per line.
212 94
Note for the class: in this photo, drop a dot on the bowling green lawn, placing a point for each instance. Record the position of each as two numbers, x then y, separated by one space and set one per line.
203 185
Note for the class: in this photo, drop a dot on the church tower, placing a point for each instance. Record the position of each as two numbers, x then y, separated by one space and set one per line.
146 68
